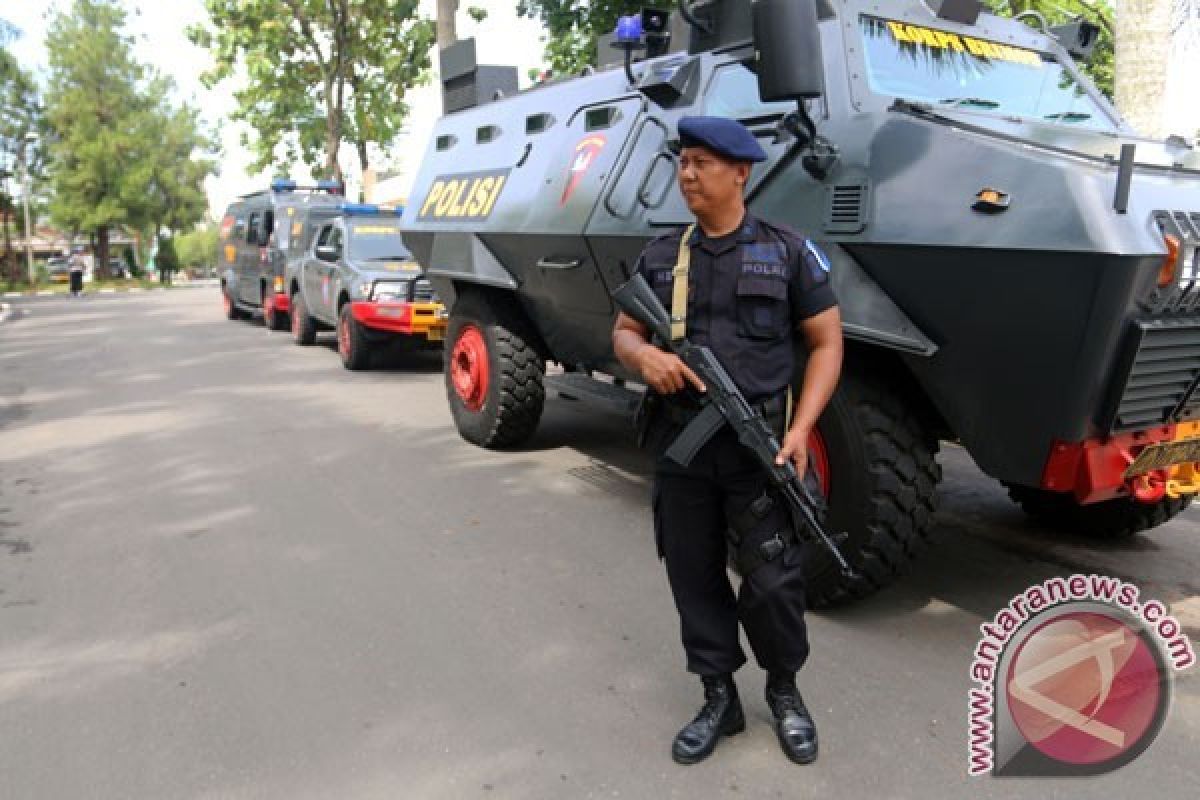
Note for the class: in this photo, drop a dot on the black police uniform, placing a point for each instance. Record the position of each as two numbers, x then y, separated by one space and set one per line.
747 293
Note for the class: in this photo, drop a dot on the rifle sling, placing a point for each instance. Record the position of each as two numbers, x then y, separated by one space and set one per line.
679 288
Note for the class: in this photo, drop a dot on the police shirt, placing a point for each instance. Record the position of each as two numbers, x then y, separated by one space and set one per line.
747 292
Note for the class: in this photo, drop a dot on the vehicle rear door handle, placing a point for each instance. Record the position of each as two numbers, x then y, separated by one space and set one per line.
546 263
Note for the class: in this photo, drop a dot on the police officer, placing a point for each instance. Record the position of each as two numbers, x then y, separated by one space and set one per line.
744 288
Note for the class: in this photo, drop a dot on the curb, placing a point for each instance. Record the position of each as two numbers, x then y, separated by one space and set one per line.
127 290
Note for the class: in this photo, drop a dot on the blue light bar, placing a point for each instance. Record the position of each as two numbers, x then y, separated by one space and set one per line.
629 29
329 186
283 185
352 209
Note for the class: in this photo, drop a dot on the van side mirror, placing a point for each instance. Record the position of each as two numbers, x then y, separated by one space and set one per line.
788 49
328 252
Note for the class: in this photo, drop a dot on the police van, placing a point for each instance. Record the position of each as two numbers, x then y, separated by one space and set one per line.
357 277
259 232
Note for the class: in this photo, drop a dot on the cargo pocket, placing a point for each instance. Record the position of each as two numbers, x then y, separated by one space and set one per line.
762 309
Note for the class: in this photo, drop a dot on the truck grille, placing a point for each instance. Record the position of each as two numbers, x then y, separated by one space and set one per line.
1183 296
422 291
1161 362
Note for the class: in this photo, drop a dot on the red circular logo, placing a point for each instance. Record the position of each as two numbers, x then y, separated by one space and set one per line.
1085 688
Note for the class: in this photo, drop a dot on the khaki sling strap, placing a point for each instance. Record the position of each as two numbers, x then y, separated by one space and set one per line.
679 289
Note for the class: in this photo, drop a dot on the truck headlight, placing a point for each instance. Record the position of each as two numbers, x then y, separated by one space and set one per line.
390 290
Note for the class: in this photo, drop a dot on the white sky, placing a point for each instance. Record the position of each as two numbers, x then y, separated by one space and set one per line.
501 39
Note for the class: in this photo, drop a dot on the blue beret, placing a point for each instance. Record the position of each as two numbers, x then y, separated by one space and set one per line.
725 137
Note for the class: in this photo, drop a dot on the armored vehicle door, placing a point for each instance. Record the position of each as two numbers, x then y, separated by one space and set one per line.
248 260
322 288
562 284
311 274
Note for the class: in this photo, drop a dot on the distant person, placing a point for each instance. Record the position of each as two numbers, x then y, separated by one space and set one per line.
76 275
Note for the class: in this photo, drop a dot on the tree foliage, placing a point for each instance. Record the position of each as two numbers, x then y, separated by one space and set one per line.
119 153
1056 12
22 131
197 247
317 73
573 25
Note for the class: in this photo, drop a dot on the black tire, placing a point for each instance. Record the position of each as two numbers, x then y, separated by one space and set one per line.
512 404
232 312
1119 518
275 320
304 327
353 345
883 488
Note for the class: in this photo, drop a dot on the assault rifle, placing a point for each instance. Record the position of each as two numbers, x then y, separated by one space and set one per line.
724 404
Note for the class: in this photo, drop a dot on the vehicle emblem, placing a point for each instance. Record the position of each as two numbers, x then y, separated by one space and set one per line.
585 155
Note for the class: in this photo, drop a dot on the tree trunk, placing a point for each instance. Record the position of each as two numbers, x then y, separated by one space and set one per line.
1142 46
6 210
366 194
447 33
101 266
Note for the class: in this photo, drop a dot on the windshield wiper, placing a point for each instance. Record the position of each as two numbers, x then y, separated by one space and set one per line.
1068 116
976 102
387 258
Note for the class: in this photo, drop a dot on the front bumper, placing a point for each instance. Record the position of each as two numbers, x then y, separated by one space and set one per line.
1095 470
407 319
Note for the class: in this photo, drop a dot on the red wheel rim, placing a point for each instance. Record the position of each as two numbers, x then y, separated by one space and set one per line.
296 316
820 458
343 334
469 367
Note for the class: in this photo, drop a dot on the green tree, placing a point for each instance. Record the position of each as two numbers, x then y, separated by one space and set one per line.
1056 12
318 73
573 25
197 248
166 260
174 173
119 153
22 131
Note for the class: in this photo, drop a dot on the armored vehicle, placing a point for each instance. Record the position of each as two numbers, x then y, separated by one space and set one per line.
257 232
358 278
1016 267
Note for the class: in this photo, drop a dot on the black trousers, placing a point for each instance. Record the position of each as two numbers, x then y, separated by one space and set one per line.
692 509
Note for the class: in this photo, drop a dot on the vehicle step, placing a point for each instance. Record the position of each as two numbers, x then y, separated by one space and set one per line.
580 386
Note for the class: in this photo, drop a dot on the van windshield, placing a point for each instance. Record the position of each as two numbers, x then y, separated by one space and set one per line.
375 240
962 72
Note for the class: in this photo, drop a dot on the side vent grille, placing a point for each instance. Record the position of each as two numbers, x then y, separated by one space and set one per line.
847 209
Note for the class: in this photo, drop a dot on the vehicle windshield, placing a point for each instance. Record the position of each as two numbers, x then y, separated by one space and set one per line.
957 71
375 240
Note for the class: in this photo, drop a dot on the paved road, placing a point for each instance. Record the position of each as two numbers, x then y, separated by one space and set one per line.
230 569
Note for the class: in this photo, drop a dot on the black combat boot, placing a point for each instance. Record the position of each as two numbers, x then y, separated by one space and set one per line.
793 725
721 716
